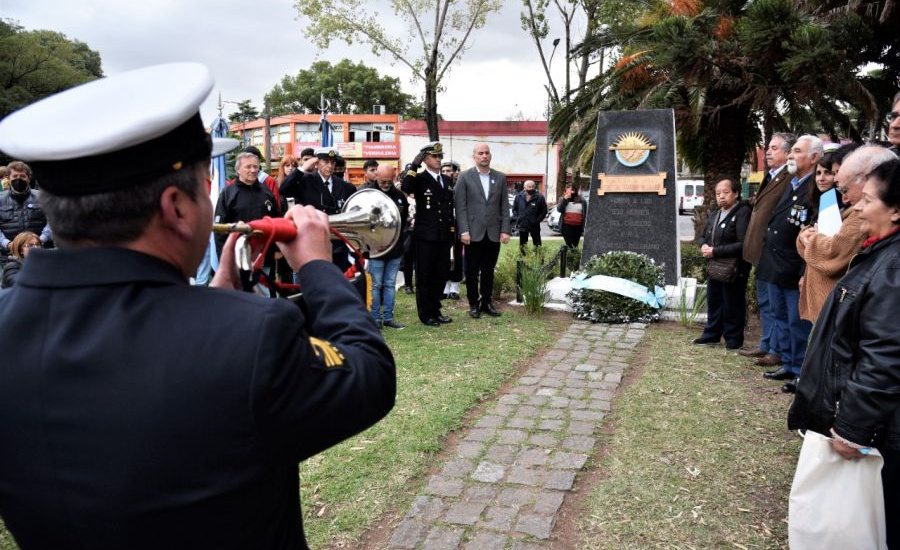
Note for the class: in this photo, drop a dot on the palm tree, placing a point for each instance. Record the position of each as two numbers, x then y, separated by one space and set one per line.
728 68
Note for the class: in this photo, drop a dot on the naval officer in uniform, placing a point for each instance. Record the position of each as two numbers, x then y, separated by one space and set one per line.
138 411
434 230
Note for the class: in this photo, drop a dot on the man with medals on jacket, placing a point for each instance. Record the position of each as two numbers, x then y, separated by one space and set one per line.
434 231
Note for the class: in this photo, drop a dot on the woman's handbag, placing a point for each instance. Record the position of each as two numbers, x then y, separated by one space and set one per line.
835 502
724 270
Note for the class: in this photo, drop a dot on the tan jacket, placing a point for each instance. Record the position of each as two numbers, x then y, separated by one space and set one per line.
763 205
827 259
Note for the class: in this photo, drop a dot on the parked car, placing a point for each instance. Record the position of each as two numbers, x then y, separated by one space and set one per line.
553 221
690 195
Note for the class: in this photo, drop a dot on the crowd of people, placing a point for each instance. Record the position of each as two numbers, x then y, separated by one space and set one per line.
822 234
129 239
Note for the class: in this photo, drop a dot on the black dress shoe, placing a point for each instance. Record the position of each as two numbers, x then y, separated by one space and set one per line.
780 374
474 313
790 387
444 320
394 324
491 310
408 290
454 295
431 322
704 341
444 296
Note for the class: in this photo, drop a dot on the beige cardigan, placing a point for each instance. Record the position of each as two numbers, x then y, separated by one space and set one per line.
827 259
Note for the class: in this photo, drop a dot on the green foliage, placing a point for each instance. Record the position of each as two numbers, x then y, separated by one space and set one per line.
693 264
533 281
599 306
351 88
436 35
730 67
687 315
36 64
505 272
245 113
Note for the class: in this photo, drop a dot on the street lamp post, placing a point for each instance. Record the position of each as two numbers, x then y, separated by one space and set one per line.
549 112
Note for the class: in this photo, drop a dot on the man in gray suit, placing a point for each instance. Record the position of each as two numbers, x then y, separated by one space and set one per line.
482 215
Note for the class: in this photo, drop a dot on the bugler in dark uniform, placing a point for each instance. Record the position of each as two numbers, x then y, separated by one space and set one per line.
138 411
434 230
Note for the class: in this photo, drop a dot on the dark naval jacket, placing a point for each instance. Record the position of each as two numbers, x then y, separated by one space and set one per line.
140 412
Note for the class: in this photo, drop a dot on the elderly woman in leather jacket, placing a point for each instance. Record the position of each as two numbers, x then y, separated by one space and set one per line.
850 381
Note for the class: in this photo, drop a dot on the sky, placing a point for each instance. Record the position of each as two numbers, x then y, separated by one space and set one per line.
250 46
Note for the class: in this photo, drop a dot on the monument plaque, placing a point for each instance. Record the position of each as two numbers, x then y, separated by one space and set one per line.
632 204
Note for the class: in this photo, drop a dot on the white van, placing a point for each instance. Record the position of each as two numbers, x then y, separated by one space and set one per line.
690 195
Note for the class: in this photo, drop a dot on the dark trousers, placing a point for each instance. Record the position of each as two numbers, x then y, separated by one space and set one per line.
534 231
726 311
432 270
409 260
481 259
456 266
571 234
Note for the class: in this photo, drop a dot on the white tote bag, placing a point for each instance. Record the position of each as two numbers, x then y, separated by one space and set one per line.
835 503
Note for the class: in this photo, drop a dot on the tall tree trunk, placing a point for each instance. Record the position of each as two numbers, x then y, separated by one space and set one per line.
431 115
725 127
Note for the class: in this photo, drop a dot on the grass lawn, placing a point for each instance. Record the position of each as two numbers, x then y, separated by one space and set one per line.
699 455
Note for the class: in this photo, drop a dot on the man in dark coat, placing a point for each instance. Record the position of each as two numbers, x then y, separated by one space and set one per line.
245 200
140 412
324 191
434 231
529 209
384 269
781 266
774 183
20 209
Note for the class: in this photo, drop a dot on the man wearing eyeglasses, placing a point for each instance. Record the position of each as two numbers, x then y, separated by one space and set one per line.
434 230
894 125
384 269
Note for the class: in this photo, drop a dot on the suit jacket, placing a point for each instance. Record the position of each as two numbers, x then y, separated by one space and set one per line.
780 263
481 216
763 204
144 413
434 206
308 189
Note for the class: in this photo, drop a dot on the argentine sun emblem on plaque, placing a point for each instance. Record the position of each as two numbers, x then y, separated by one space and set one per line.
632 149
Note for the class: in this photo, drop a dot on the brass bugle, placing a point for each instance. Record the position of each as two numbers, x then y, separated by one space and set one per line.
369 219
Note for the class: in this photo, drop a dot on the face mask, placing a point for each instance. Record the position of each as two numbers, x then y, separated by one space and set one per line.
19 185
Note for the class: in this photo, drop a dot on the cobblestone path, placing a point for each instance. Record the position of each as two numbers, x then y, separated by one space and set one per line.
503 485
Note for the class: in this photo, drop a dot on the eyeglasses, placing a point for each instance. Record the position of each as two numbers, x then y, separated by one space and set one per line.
385 182
33 245
438 155
892 116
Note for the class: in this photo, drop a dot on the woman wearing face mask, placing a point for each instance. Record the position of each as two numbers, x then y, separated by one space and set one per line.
18 252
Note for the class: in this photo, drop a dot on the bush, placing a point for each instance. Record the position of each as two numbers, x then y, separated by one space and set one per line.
693 264
599 306
505 272
533 283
